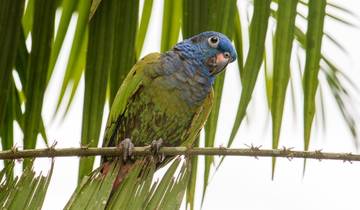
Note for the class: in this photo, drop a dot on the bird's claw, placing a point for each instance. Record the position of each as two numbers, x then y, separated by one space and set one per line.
156 145
127 149
155 148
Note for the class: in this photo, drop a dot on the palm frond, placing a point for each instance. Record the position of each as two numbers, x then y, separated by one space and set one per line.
284 37
138 190
258 29
171 24
124 43
25 192
144 23
312 65
108 40
98 64
10 30
77 57
36 74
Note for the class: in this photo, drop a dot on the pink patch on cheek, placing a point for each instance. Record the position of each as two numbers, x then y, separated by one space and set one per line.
220 58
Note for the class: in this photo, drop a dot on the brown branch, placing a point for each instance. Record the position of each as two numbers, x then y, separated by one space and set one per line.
141 151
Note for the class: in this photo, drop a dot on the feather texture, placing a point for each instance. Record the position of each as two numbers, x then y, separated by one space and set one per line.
168 96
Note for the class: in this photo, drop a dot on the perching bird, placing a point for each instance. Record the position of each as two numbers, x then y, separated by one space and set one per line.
168 96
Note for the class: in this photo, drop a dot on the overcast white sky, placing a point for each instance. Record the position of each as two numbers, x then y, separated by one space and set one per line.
241 182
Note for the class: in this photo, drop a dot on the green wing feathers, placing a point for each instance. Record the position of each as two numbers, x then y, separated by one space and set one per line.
147 108
199 120
131 84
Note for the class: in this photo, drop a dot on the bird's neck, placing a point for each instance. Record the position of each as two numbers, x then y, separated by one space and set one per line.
191 55
192 78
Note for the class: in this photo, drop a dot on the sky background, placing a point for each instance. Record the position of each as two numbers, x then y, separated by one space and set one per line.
241 182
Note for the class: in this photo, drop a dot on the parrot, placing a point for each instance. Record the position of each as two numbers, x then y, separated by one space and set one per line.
166 98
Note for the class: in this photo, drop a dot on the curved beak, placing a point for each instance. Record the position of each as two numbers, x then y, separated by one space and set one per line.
218 63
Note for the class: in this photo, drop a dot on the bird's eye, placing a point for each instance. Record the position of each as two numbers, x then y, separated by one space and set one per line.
213 41
226 55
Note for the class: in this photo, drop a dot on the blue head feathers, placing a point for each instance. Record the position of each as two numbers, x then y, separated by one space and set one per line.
211 49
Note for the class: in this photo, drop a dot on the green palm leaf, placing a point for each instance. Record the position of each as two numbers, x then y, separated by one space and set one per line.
108 40
37 69
144 23
258 29
124 43
68 7
98 64
25 192
77 57
312 66
171 24
10 29
136 191
284 36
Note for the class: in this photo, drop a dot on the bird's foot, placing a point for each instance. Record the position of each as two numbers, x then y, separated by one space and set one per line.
128 148
155 148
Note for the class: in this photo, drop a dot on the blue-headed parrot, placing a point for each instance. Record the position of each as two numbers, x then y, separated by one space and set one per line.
166 97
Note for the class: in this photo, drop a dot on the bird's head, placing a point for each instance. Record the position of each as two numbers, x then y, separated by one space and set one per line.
212 49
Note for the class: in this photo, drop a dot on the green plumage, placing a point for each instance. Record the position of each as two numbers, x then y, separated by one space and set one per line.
147 108
168 96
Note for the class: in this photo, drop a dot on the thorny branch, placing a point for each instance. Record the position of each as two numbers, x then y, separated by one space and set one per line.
142 151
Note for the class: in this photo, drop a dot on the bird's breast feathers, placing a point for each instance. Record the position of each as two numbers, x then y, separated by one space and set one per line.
165 103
